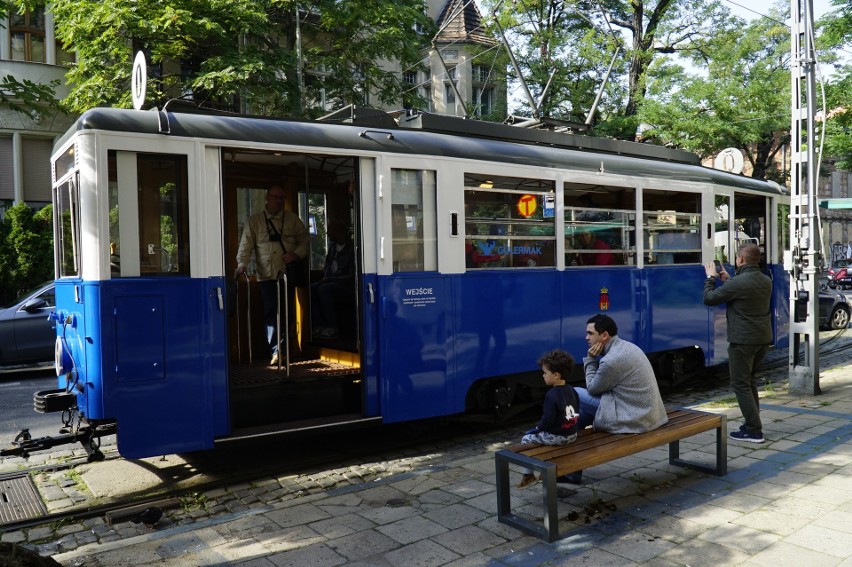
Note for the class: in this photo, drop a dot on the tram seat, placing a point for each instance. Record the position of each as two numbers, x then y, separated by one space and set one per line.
595 448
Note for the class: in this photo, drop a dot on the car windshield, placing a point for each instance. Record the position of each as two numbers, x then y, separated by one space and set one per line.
47 295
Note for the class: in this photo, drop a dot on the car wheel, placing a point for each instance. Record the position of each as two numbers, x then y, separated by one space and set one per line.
839 318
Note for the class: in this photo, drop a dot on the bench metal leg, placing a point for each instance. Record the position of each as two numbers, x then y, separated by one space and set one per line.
721 468
549 529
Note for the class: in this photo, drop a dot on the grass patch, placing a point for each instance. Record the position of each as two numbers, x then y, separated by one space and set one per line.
721 403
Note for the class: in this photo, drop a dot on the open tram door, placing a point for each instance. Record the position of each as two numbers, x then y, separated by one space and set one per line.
317 380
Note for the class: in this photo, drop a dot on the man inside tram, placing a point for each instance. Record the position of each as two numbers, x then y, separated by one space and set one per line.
338 282
277 238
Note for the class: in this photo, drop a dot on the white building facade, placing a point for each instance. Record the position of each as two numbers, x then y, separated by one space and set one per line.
29 51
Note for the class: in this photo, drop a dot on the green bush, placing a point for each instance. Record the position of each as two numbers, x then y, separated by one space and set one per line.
26 250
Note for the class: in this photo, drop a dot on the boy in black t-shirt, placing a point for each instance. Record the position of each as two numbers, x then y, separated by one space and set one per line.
559 422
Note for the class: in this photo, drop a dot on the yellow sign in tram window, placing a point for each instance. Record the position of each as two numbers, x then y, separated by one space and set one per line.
527 205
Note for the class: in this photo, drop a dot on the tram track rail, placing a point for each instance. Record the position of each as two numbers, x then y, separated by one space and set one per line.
404 439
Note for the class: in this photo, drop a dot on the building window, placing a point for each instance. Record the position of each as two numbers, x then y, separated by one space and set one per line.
449 94
481 73
27 36
409 77
483 100
449 91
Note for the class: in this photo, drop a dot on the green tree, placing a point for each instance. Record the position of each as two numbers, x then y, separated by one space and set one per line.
575 41
740 99
836 35
240 53
26 253
838 123
561 54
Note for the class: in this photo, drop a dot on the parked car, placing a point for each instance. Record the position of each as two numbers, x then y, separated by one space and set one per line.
834 309
27 332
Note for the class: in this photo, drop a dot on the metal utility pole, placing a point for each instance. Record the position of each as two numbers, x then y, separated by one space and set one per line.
802 260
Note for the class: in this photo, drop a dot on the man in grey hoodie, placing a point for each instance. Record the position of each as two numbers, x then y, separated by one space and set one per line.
747 296
621 393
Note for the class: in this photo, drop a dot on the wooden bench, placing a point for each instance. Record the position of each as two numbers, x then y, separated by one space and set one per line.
594 448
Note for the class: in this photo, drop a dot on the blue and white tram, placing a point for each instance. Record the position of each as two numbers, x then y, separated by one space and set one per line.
475 255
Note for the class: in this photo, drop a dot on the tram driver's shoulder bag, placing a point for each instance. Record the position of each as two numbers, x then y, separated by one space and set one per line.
297 273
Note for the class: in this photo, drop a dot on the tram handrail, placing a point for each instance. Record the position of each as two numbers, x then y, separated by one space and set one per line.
282 276
248 317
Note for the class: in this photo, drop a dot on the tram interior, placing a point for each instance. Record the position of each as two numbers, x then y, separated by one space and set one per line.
320 384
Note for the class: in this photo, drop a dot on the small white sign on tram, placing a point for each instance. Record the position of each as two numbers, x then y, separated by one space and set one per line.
139 80
730 160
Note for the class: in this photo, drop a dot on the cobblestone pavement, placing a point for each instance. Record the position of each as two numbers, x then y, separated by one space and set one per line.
787 500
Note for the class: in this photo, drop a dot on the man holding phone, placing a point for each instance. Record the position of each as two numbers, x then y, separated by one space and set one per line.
747 296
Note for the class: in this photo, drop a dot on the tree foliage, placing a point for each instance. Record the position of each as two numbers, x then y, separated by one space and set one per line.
222 52
838 122
740 98
561 55
836 36
575 41
26 250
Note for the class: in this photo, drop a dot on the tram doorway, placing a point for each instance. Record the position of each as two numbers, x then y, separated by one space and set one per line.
318 378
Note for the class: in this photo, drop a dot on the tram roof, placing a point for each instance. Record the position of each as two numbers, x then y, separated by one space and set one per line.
425 134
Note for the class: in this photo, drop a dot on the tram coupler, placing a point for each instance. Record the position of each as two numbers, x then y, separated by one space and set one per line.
24 444
49 401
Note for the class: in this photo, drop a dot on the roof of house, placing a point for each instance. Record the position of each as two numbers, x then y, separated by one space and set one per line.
460 20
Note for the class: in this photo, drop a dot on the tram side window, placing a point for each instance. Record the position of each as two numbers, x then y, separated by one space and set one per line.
413 220
672 227
599 225
67 227
509 222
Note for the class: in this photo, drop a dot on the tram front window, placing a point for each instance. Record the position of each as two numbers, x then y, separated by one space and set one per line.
67 228
150 214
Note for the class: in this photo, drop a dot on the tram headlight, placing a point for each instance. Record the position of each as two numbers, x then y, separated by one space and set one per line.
61 357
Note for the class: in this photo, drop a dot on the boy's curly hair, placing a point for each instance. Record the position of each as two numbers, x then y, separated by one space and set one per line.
559 361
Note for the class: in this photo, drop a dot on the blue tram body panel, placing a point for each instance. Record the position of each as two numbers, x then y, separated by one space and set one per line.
417 378
612 291
163 375
503 320
675 310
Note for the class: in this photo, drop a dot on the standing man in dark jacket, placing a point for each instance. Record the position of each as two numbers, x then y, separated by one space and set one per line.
747 296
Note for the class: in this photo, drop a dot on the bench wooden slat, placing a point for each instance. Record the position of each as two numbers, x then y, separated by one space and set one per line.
594 448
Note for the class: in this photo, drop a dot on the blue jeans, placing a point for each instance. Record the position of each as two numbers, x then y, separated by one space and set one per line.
589 405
